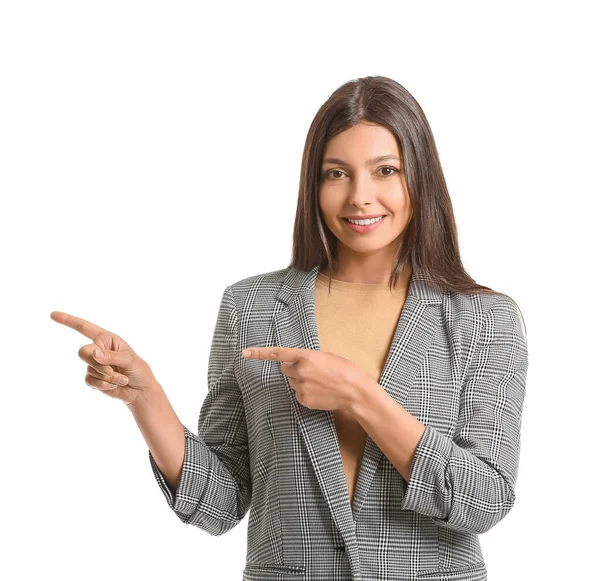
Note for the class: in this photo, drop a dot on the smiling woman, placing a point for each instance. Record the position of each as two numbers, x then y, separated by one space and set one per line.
364 403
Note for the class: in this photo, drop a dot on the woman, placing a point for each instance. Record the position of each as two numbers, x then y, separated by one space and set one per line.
365 402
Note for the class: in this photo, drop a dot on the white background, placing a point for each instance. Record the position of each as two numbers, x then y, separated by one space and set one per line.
150 156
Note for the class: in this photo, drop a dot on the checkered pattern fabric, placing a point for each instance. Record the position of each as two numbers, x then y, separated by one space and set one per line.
457 362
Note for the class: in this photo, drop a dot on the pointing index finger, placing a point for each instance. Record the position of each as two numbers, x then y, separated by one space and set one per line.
288 354
84 327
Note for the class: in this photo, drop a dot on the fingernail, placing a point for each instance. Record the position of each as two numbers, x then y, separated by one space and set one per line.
98 354
122 380
246 352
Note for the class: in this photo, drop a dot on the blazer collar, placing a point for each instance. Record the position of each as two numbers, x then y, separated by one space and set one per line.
296 326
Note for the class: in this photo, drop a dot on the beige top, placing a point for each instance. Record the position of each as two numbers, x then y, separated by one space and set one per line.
356 321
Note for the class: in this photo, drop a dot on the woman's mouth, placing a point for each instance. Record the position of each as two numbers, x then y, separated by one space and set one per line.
368 227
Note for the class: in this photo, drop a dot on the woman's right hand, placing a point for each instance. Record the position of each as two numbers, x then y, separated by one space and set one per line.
119 361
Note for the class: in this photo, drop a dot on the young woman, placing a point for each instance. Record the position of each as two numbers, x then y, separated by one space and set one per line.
365 402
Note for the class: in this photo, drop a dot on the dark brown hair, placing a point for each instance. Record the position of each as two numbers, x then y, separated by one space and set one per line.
430 240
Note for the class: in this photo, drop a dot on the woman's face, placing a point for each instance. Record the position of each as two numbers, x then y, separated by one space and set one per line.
354 183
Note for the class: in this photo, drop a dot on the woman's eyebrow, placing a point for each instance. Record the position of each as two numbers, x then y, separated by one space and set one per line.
373 161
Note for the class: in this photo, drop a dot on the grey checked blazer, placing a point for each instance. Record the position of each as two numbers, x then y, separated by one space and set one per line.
457 362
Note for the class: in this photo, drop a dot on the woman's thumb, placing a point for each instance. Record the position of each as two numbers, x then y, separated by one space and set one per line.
124 359
99 355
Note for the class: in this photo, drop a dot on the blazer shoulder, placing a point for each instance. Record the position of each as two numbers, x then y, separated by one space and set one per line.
273 277
479 303
475 308
264 286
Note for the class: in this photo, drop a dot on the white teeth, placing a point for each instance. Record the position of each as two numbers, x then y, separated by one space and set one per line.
365 222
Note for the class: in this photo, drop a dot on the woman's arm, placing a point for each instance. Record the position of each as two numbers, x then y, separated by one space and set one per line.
205 478
466 482
162 431
395 431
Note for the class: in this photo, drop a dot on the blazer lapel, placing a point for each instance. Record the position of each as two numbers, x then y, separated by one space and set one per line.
295 325
419 320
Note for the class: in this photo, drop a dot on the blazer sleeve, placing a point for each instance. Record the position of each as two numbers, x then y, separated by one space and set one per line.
215 490
468 482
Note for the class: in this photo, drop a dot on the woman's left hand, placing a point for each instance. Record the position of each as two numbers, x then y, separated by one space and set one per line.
321 380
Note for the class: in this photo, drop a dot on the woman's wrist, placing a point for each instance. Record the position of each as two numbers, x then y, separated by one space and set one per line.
146 397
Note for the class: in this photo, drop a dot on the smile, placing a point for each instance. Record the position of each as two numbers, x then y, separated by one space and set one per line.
364 225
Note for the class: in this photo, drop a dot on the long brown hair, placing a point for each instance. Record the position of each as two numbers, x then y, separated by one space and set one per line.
430 239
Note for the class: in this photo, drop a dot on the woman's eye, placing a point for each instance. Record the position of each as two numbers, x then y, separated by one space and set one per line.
329 173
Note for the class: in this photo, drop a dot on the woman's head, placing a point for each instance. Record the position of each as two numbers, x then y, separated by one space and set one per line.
362 176
362 119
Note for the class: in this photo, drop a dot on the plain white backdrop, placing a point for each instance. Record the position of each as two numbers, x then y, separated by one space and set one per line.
150 156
